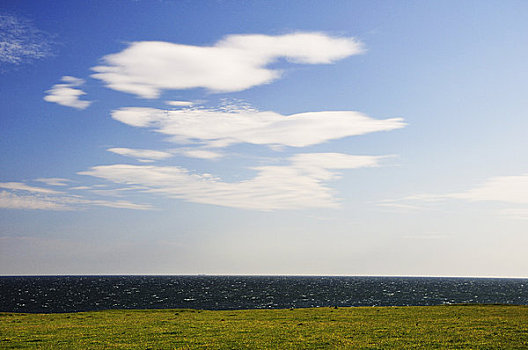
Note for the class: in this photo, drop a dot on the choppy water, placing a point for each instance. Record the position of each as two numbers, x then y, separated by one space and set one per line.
85 293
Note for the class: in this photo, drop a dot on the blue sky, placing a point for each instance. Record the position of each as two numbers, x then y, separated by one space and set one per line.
258 137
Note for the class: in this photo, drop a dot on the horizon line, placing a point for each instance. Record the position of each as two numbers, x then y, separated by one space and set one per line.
258 275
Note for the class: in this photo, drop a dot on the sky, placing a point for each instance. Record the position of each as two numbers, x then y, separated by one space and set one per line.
379 138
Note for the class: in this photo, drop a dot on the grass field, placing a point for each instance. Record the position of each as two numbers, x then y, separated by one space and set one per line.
428 327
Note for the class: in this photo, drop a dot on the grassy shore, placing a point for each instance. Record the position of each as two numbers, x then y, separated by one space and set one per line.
455 327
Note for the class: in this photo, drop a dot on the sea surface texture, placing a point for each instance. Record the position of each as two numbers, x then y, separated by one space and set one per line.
85 293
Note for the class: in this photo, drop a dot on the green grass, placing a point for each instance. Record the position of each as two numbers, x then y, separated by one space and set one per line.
427 327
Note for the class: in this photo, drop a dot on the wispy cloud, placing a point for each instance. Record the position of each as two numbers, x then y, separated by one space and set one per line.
500 189
235 63
21 196
19 186
300 184
21 42
119 204
9 200
145 155
179 103
199 153
221 128
54 181
508 189
67 94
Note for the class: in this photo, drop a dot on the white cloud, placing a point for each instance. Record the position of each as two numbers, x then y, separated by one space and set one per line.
19 186
9 200
141 154
235 63
54 181
199 153
501 189
301 184
66 94
508 189
81 188
13 201
179 103
118 204
221 128
21 41
22 196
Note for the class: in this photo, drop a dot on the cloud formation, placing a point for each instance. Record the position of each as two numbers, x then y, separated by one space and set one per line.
9 200
21 196
221 128
19 186
143 155
179 103
53 181
501 189
300 184
21 41
508 189
199 153
67 94
235 63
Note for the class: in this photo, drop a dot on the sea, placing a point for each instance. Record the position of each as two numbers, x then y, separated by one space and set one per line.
52 294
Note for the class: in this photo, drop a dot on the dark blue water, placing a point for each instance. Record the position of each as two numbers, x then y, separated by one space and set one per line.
85 293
